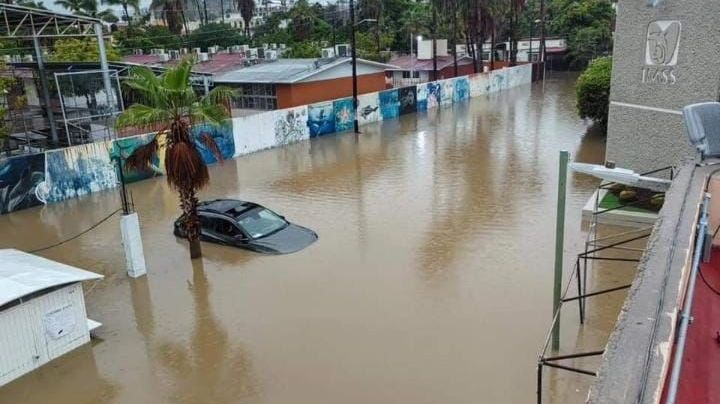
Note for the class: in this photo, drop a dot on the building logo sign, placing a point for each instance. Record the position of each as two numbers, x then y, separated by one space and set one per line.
661 52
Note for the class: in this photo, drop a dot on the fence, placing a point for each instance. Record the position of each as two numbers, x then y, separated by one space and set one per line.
58 175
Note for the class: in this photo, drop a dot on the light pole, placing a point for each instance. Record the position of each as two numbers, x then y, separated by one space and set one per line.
412 68
354 62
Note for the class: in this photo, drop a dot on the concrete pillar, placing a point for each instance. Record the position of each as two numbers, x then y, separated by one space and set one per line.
666 56
132 243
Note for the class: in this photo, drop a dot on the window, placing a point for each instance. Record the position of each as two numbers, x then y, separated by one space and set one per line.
261 222
225 227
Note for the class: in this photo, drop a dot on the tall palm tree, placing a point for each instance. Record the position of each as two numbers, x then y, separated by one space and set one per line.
169 102
172 12
516 9
125 4
247 11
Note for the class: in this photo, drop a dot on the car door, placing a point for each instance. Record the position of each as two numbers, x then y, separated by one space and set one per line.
225 231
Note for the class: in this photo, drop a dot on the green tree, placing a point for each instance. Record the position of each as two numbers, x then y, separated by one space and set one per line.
169 102
216 34
146 38
586 24
304 50
80 50
593 91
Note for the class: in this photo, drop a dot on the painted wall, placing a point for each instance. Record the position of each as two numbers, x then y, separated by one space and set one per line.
31 180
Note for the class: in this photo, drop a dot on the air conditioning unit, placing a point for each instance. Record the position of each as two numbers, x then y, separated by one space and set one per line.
174 54
328 53
273 46
235 49
265 45
197 51
183 51
160 51
213 49
164 57
27 58
251 53
342 50
244 48
204 57
261 53
16 58
271 55
137 51
7 58
283 46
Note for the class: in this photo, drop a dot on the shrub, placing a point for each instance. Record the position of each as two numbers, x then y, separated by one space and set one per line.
593 91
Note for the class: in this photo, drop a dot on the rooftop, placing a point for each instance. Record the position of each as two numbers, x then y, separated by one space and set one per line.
22 274
218 63
291 70
408 62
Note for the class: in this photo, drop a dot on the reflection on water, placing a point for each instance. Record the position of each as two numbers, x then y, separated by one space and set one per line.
431 280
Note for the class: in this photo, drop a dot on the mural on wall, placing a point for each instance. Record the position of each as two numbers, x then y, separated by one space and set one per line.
434 94
479 84
389 104
368 108
518 76
461 90
448 91
321 119
291 126
408 100
221 134
344 115
123 148
79 170
21 180
421 97
497 80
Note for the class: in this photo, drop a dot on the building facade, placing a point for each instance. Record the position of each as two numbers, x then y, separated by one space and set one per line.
666 56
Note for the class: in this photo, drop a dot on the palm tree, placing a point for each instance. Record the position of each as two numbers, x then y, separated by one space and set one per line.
173 13
125 4
74 6
169 102
516 9
32 4
247 10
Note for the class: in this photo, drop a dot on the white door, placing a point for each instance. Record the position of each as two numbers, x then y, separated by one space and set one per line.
19 352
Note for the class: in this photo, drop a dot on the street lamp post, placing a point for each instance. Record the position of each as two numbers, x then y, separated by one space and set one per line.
354 62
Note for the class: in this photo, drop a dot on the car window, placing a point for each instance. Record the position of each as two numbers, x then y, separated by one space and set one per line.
225 227
261 222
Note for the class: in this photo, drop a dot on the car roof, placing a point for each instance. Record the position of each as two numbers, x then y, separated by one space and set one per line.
229 207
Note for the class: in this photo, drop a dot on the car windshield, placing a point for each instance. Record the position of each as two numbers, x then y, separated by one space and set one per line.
261 222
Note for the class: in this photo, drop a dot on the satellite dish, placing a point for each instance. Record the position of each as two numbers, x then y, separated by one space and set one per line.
622 176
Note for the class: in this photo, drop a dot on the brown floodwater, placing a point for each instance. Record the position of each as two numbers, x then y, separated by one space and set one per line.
431 281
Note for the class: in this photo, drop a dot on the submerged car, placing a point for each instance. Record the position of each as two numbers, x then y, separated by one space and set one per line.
248 225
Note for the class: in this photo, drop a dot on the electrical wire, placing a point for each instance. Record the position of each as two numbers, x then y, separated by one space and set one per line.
89 229
717 292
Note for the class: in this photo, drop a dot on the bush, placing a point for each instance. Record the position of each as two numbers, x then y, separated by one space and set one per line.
593 91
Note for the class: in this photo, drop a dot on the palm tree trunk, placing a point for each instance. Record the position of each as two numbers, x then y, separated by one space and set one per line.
492 50
127 16
454 38
188 204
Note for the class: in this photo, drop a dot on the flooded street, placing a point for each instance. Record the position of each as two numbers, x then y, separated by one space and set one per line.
431 281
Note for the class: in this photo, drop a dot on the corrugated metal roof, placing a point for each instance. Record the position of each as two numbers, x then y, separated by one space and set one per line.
288 70
22 274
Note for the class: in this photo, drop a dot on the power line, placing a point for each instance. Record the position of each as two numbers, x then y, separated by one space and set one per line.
77 235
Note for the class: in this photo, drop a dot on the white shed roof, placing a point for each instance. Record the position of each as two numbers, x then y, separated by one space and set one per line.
22 274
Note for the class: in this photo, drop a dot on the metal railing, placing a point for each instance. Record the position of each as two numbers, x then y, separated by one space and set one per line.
594 245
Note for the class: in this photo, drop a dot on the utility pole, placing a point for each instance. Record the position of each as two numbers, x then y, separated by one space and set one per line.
354 66
205 10
434 44
542 36
222 10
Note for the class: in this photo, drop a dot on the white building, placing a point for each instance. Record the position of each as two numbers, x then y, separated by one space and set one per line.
42 312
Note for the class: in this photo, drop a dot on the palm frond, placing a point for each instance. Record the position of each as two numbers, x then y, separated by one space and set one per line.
141 158
142 116
211 145
185 167
211 113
